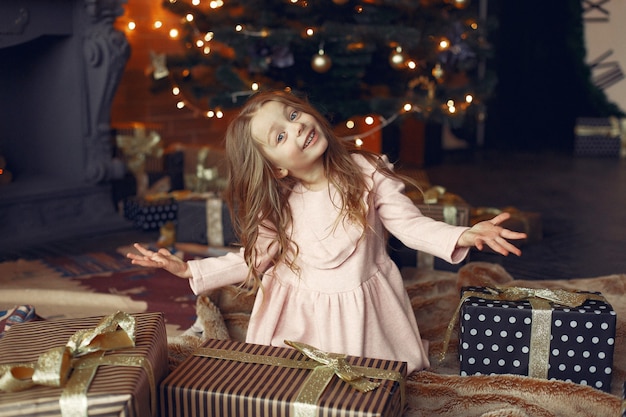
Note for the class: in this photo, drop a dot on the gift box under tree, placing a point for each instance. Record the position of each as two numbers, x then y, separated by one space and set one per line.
228 378
150 213
553 334
600 136
205 221
96 366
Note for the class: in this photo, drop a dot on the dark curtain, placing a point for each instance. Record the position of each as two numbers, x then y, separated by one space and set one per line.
543 81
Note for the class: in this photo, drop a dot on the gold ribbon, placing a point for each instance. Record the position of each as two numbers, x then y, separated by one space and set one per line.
616 128
74 365
541 300
324 366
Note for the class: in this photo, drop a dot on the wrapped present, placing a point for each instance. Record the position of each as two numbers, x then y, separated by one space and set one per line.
230 378
600 136
93 366
151 212
528 222
542 333
205 221
441 205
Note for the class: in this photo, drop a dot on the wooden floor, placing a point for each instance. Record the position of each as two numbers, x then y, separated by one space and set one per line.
582 202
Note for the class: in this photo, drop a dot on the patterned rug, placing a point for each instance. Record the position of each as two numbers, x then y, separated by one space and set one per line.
95 284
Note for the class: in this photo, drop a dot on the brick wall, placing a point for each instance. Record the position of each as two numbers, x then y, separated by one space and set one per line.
135 102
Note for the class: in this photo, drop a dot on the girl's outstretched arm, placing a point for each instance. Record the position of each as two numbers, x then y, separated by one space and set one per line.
161 259
489 233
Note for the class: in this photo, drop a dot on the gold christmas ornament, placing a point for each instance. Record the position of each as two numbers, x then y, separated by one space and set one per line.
320 62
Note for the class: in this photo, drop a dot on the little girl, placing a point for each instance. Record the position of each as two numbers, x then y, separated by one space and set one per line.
311 218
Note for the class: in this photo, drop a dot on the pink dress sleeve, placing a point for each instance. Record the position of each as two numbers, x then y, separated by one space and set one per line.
404 220
211 273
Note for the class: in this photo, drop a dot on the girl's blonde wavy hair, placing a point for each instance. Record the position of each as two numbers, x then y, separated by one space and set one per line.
256 198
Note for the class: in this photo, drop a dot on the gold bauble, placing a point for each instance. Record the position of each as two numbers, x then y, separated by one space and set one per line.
321 63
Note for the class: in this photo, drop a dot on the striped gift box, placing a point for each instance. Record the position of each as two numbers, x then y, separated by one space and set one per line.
228 378
115 390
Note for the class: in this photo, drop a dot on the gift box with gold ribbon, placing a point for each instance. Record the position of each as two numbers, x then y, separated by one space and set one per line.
437 203
542 333
205 221
97 366
228 378
600 136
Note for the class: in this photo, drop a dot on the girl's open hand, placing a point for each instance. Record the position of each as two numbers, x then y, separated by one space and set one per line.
161 259
489 233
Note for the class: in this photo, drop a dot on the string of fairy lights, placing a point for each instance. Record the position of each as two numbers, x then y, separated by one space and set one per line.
320 62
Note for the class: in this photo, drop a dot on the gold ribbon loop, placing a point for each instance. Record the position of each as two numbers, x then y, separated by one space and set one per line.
338 364
74 365
323 365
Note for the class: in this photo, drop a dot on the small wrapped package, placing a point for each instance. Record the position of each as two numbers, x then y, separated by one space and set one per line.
600 137
543 333
97 366
441 205
150 213
205 221
228 378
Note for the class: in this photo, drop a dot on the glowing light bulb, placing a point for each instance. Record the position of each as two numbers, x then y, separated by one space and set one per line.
173 33
310 32
350 124
206 50
195 2
407 107
469 98
209 36
180 104
199 43
210 113
358 142
189 17
132 25
158 24
411 64
176 91
369 120
238 28
255 86
219 114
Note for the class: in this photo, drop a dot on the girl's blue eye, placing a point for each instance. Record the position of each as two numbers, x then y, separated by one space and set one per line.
293 115
280 137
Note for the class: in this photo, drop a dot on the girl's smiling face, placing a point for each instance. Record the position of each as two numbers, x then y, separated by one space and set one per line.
291 140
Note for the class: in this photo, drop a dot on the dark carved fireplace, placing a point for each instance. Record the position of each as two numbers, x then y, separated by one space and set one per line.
60 64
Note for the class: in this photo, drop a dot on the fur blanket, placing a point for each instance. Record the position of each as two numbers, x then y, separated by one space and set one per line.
440 391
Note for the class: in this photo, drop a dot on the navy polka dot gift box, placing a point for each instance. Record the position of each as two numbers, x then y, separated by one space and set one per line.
553 334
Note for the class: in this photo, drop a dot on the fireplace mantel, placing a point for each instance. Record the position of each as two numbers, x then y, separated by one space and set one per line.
60 64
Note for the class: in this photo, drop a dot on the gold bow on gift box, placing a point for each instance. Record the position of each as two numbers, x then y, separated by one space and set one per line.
615 128
324 367
73 366
541 301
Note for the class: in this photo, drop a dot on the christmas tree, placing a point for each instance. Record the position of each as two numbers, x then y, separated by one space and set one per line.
349 57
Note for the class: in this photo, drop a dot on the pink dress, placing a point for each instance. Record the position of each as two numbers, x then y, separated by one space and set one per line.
349 296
